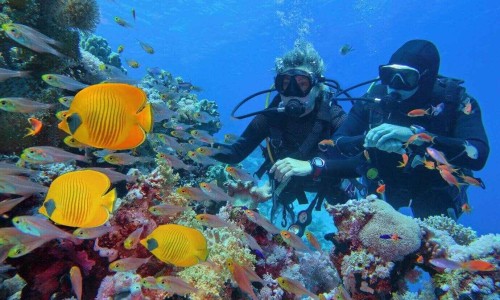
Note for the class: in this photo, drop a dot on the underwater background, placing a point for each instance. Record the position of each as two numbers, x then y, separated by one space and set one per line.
207 57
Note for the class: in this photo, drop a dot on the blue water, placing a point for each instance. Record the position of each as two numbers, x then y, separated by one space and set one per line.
229 47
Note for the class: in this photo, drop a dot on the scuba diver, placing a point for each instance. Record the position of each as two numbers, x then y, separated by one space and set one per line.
421 139
298 118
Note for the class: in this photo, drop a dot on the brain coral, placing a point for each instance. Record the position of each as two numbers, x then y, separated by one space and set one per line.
387 221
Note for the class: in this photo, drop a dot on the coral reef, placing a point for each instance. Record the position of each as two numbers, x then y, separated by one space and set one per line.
372 267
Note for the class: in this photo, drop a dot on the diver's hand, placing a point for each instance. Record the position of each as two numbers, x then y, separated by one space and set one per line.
391 145
288 167
382 133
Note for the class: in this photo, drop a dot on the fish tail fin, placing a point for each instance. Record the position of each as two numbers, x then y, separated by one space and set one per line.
145 118
31 132
481 183
24 74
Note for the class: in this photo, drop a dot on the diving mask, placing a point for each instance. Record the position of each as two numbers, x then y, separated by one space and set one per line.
295 83
399 77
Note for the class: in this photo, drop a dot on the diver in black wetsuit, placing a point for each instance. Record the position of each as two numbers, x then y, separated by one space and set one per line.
415 100
309 116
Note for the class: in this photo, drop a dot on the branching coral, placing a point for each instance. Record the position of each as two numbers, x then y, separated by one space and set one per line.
223 243
461 234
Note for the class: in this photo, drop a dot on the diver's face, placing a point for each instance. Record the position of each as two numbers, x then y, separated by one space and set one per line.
303 82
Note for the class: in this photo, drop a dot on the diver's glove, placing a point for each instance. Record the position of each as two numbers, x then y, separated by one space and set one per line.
384 132
388 137
391 145
288 167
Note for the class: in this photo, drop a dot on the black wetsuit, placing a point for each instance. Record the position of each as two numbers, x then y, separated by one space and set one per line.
429 192
287 135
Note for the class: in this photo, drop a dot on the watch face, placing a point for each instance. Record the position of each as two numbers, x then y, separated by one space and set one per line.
318 162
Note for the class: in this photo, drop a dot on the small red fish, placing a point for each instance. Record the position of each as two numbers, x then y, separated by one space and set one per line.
418 112
449 178
403 163
381 188
36 127
478 265
324 144
466 208
467 108
473 181
429 164
420 259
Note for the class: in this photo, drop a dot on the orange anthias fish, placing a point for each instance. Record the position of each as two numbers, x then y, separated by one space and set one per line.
324 144
36 127
473 181
471 265
418 112
429 164
420 259
403 163
478 265
113 116
449 178
381 188
466 208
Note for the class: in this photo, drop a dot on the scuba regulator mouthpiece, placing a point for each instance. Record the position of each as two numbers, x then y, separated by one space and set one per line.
389 102
294 108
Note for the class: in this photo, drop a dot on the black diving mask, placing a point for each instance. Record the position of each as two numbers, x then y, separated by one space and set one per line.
399 77
295 83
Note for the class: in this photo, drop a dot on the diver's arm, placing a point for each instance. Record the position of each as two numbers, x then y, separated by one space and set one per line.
256 131
350 136
468 129
343 168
